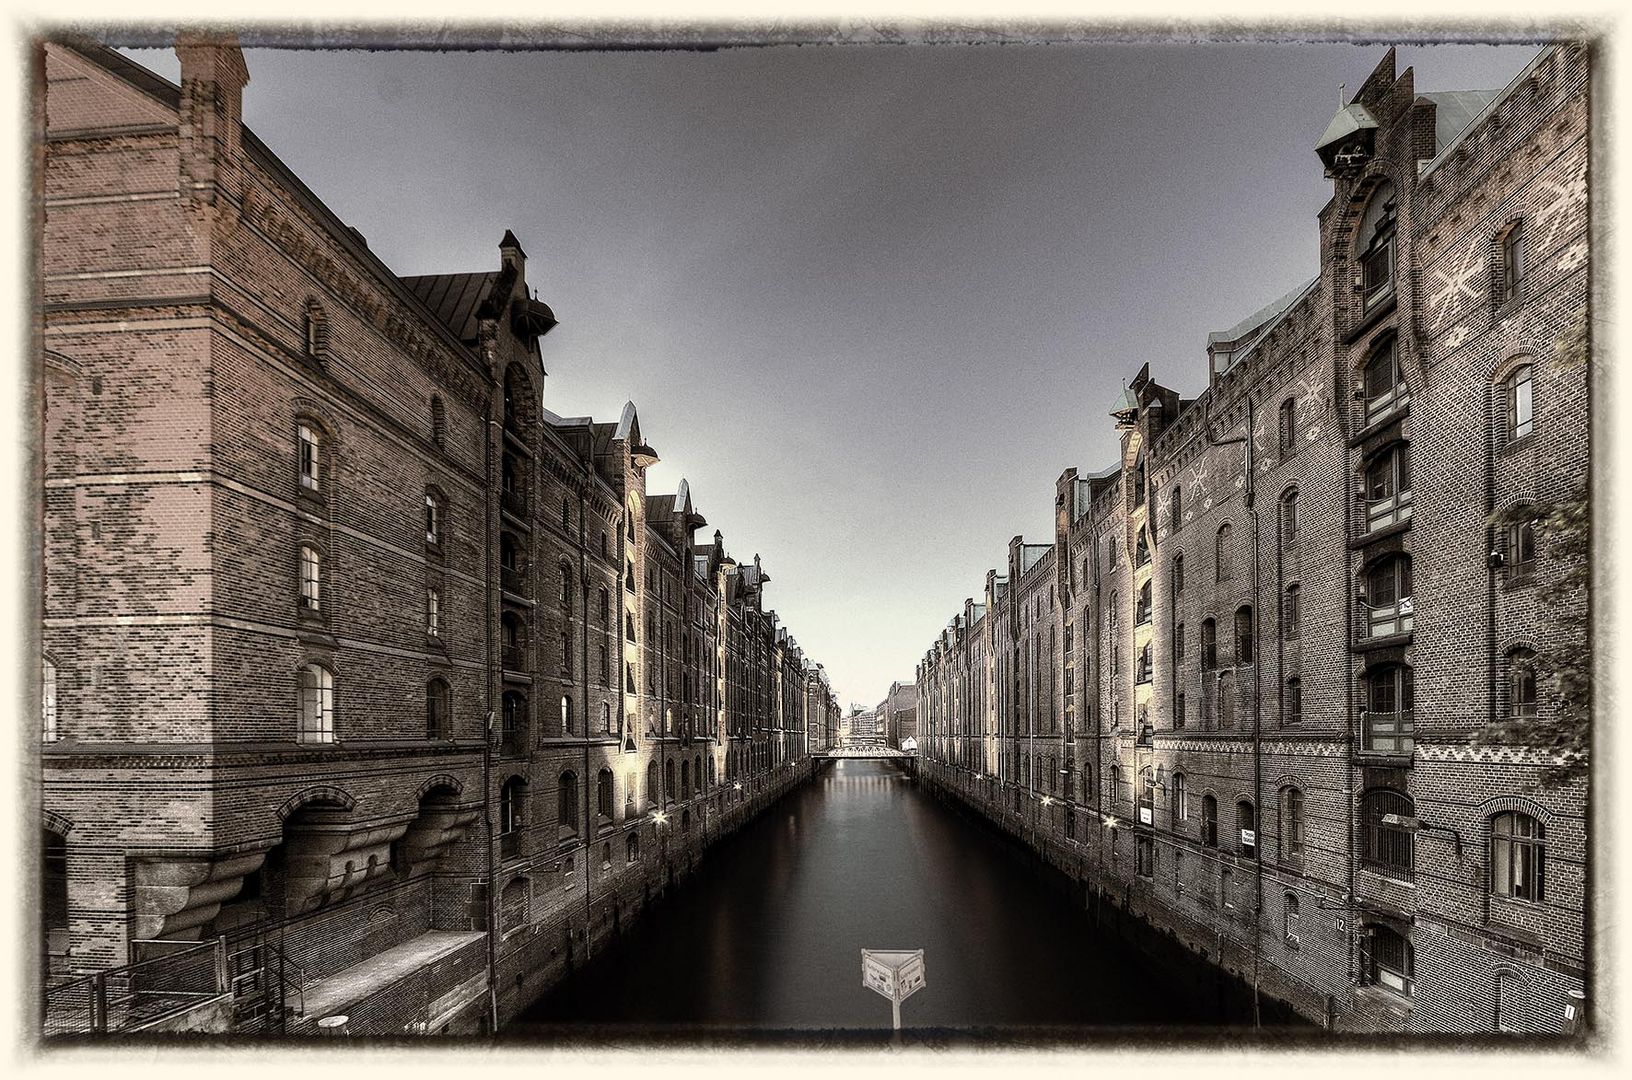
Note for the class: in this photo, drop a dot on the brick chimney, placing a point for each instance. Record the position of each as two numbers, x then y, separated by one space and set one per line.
213 76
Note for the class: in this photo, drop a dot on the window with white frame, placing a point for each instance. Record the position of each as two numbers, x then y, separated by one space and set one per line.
1516 856
1520 403
311 458
311 578
316 686
433 611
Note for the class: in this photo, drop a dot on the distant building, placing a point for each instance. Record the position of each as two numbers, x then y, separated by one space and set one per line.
898 714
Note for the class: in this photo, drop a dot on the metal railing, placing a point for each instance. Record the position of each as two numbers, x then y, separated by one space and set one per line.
136 995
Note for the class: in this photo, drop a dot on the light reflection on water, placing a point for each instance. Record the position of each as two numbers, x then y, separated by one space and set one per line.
769 933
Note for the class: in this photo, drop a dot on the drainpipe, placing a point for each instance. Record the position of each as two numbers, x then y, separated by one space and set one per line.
1350 735
489 601
1250 494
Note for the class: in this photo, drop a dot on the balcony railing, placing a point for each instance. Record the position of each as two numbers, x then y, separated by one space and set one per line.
1381 513
1387 733
514 502
514 658
1389 619
514 580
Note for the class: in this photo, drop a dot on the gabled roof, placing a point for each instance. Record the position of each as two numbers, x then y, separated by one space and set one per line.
1454 110
453 298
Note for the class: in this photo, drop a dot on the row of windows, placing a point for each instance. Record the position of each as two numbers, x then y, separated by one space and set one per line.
1517 840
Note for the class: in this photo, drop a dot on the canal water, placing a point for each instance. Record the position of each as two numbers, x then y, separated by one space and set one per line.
767 937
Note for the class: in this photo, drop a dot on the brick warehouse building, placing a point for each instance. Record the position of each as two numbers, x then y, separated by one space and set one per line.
341 625
1235 695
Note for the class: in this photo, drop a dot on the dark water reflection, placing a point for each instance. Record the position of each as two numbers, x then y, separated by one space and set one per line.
769 933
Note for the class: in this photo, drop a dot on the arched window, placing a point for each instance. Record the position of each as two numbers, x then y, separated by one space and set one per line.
1287 434
566 804
1141 550
514 902
1292 703
1246 823
1387 818
1521 548
1510 275
1142 611
1516 856
566 589
606 718
1383 384
310 457
513 721
1517 392
1289 918
668 780
513 634
1209 821
1115 781
48 699
685 779
1175 505
1388 488
1291 613
1389 720
438 709
54 891
653 795
1223 553
1289 844
1181 807
1178 575
316 704
606 665
433 518
513 565
566 715
631 848
1243 634
1289 517
439 421
1388 601
1521 685
1376 255
1209 645
311 579
1226 700
512 813
604 796
1390 963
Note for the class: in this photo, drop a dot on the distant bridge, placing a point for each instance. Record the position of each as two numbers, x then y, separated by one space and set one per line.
863 752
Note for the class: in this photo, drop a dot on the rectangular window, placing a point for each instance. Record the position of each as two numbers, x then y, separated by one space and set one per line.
433 611
48 700
1147 857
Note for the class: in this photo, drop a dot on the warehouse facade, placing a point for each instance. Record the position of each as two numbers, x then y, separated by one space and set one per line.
352 650
1241 690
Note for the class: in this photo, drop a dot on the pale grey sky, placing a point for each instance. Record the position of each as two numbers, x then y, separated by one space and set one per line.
869 300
